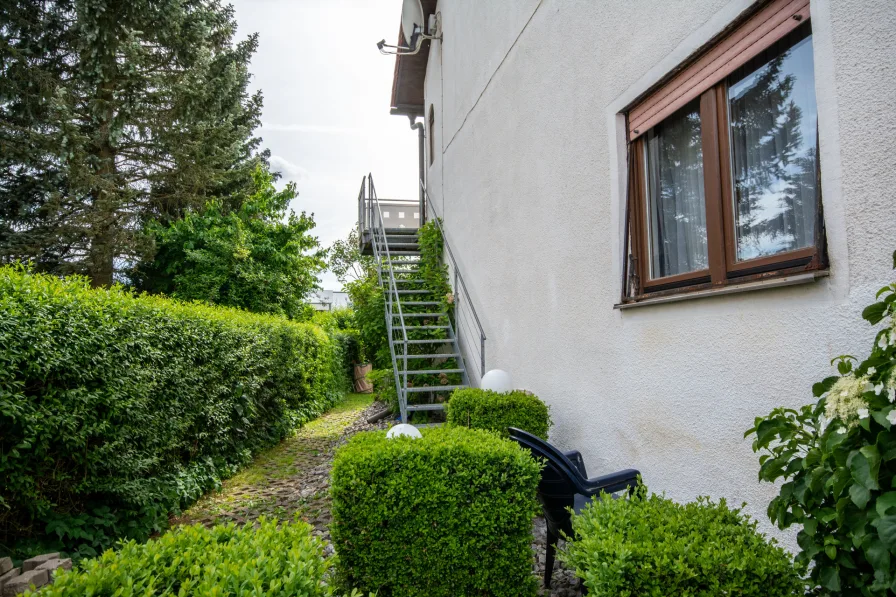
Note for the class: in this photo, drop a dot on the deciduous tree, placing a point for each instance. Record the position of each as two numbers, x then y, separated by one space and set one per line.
253 257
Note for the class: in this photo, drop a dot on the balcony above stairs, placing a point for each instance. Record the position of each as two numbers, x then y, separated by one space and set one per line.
399 216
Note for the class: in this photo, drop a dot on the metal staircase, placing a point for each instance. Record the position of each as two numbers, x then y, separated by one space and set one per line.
426 354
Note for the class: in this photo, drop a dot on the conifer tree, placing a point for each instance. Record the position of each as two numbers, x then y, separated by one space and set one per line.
113 114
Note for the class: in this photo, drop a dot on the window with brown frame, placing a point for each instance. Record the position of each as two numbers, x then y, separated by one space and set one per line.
432 124
724 183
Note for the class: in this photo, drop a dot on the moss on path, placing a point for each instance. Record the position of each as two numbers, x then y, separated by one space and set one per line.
290 478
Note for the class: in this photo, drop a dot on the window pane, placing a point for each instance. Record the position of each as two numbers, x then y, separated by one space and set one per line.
676 202
773 119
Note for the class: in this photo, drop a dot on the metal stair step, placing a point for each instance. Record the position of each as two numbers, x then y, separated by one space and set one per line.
419 303
426 341
449 355
421 314
417 390
403 271
393 247
429 371
423 407
414 291
426 327
404 253
416 281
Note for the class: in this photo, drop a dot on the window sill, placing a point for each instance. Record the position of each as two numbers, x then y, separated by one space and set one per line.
791 280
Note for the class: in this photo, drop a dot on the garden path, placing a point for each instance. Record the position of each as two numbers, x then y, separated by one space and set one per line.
294 478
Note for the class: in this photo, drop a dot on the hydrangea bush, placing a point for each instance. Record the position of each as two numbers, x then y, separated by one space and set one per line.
836 461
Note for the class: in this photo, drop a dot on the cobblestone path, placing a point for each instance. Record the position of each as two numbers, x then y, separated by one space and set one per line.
292 477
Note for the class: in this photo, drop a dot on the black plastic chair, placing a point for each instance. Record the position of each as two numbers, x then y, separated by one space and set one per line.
565 485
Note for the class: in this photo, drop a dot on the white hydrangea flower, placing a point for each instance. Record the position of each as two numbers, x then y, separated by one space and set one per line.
872 370
863 413
882 343
879 388
892 417
891 395
841 430
845 400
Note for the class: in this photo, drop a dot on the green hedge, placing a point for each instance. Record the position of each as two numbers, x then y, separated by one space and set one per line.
189 561
449 514
117 409
653 547
484 409
339 324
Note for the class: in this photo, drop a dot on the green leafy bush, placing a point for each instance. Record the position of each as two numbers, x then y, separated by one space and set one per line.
450 514
433 271
837 461
654 547
383 381
339 324
117 409
496 411
369 306
267 561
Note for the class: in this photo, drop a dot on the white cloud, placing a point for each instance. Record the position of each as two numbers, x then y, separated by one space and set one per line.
286 168
311 128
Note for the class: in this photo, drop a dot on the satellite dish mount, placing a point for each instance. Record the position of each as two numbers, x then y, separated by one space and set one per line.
412 27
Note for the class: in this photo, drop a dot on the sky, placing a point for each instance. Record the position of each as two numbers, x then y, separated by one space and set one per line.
326 104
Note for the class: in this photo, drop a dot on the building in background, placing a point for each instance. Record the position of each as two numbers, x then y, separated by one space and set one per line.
327 300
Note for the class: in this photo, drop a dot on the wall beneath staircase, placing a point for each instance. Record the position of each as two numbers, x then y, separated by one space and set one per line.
529 175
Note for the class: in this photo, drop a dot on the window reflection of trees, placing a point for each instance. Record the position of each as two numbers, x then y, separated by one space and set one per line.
774 166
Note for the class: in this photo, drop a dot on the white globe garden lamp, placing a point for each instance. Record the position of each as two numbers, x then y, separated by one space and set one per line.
497 380
404 430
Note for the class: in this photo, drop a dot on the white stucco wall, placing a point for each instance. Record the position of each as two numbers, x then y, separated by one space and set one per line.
530 173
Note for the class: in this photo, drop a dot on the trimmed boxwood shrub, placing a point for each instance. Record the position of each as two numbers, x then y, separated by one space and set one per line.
449 514
116 409
496 411
267 561
653 547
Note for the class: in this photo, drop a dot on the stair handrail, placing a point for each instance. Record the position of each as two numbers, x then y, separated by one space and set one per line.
458 277
379 228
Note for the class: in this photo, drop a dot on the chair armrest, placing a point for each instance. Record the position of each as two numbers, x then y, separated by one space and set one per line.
576 458
613 482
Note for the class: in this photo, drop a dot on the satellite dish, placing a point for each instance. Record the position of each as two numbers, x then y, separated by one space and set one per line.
413 30
412 23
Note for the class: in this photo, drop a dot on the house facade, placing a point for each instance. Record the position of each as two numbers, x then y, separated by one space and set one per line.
668 215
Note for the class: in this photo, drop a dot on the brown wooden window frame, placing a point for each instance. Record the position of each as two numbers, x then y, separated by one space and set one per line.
432 135
723 267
